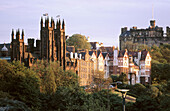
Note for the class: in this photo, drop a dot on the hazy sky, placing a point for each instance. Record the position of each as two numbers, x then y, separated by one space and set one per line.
101 20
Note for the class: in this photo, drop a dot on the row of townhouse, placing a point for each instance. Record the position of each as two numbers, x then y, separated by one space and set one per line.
137 65
86 63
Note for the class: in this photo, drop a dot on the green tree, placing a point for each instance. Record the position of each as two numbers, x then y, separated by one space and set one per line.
20 82
145 103
138 89
98 79
78 41
123 77
52 76
12 105
160 72
165 103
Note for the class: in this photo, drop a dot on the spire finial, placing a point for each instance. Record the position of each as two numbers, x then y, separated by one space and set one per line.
63 25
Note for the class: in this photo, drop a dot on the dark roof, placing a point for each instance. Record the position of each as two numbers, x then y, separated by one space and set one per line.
93 44
107 49
98 53
143 54
126 34
121 53
83 55
90 53
104 54
134 54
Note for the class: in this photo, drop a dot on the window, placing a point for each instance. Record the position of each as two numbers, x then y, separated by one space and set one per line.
125 64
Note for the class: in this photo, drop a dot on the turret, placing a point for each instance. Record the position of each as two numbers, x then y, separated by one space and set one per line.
63 25
18 35
167 31
123 30
52 22
152 24
47 22
57 27
12 35
41 22
59 24
22 34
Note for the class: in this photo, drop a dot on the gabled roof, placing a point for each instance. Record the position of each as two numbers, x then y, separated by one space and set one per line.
121 53
104 54
134 54
143 54
91 52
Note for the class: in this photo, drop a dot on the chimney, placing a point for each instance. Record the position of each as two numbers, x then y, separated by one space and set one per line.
75 55
79 56
123 30
71 55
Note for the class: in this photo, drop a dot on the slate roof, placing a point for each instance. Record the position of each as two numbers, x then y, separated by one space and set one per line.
134 54
91 52
104 54
121 53
143 54
107 49
126 34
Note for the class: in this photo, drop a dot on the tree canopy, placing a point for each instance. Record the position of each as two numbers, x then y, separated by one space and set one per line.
78 41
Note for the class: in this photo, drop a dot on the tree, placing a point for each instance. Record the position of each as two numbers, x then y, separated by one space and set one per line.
165 103
98 79
123 77
78 41
160 72
20 82
12 105
145 103
138 89
52 76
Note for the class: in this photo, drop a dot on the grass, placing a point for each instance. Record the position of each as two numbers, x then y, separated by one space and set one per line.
128 97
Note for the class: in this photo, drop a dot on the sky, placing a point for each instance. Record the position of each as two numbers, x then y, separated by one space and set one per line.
101 20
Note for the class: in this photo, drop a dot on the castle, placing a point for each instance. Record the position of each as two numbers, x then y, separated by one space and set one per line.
149 36
50 47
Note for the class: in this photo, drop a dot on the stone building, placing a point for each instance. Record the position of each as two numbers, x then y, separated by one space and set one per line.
82 65
137 65
51 46
149 36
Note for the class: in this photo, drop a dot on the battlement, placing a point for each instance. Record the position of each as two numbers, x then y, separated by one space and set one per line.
17 36
47 23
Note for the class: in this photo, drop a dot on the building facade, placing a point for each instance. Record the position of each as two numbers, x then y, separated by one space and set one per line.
137 65
149 36
82 64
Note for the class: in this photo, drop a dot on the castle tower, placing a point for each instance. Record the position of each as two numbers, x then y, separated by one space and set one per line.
152 24
167 31
31 45
60 42
17 46
47 40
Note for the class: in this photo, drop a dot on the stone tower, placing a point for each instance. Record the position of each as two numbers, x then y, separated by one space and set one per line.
53 42
18 48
